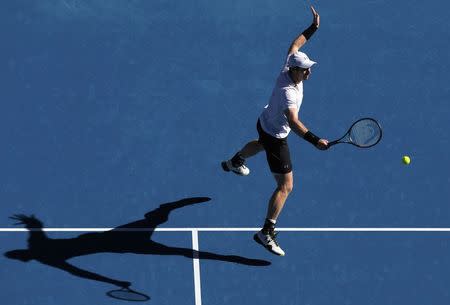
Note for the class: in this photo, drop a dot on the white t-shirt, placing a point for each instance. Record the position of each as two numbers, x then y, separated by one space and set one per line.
285 95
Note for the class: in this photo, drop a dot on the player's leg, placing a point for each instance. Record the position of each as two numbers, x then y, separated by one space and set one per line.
267 235
285 184
237 163
279 160
250 149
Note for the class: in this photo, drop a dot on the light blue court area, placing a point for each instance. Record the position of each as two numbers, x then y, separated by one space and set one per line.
115 116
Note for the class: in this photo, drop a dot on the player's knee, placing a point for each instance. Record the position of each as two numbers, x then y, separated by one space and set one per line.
286 188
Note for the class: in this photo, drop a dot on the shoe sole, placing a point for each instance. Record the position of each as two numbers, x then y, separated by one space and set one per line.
255 237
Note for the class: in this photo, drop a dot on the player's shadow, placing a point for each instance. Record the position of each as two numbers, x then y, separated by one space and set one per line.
133 237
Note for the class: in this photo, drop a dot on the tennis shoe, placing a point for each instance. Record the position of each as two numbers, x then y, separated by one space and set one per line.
269 242
239 169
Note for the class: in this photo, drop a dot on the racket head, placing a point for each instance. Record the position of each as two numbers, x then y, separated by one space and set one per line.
127 294
363 133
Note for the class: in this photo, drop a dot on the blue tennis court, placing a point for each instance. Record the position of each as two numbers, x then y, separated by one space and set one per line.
115 117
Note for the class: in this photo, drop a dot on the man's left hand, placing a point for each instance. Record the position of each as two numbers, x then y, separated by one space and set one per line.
316 17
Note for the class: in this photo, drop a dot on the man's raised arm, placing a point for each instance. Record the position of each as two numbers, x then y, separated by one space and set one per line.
306 34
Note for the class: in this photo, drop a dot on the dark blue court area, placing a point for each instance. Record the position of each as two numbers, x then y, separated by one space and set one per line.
114 119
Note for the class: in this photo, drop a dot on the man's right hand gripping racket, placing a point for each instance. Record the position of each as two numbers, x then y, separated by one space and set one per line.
364 133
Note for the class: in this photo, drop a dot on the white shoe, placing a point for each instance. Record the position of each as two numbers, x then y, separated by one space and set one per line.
241 170
269 242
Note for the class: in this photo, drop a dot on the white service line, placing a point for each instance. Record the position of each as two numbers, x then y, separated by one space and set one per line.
195 247
231 229
196 263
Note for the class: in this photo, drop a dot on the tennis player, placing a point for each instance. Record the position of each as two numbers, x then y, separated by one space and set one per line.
277 119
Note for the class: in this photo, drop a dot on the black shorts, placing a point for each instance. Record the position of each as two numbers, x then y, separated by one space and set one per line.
277 152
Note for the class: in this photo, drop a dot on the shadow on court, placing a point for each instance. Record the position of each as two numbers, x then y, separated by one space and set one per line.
133 237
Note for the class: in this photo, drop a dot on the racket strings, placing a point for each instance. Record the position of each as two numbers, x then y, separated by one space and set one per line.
365 133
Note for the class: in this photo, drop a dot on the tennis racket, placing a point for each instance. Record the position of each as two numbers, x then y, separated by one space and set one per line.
128 295
364 133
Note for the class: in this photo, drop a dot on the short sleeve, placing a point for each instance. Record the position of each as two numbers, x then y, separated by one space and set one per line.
285 67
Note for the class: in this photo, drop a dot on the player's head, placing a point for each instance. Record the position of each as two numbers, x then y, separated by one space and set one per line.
21 255
300 66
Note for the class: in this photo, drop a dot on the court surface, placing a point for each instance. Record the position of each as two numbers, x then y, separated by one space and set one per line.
113 110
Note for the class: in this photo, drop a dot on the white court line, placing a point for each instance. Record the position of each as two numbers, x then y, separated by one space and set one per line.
196 263
232 229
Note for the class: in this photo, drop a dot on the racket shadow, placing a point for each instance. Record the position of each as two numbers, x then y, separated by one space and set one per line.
133 237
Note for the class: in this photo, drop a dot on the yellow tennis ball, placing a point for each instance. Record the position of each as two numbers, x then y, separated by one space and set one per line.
406 160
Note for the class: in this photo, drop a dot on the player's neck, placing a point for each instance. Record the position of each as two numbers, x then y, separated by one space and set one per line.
293 78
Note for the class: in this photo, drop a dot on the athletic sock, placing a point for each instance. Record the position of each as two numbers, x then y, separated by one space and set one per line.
237 159
269 226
